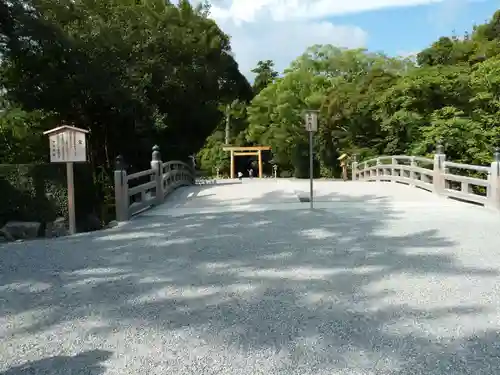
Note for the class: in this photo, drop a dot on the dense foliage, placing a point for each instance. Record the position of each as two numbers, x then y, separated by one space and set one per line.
372 104
134 73
138 73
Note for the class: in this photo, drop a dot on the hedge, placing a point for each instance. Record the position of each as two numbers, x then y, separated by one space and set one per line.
38 192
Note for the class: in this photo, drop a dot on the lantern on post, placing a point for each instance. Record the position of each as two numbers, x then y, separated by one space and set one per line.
343 165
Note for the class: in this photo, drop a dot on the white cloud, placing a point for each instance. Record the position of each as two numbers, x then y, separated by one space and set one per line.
281 30
407 54
284 41
248 10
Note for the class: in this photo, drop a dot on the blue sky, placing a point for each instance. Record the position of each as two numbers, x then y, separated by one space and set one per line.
410 29
281 30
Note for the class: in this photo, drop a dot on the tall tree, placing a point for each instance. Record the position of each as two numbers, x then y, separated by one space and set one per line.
264 75
131 72
134 73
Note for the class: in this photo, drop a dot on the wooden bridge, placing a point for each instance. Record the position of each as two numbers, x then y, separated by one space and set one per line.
392 273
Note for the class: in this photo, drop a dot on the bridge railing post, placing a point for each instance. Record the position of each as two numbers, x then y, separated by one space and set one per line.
394 163
494 182
379 172
354 173
439 169
157 166
411 176
121 190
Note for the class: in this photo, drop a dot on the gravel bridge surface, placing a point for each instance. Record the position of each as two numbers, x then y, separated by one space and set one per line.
241 279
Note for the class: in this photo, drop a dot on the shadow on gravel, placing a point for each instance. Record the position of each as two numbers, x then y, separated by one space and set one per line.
86 363
299 283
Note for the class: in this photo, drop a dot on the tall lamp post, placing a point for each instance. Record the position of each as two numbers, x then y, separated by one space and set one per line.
311 124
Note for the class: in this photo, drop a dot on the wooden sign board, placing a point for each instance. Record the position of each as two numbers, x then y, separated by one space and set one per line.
67 144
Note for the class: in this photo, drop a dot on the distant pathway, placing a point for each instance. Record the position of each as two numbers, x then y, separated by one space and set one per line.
240 278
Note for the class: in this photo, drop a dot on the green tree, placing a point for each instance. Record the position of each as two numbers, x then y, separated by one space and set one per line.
134 73
131 72
323 77
264 75
21 135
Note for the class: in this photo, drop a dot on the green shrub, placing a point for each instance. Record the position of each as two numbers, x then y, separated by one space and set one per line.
300 161
38 192
285 174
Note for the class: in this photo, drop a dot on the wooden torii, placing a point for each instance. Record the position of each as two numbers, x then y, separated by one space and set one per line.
245 151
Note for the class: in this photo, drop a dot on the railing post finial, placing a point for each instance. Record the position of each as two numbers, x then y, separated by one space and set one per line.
119 163
156 165
440 147
156 155
496 154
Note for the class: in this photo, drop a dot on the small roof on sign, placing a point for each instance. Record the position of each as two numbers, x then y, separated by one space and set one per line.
63 128
341 157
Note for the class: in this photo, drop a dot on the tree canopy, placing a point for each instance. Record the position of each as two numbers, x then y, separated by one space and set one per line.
373 104
136 73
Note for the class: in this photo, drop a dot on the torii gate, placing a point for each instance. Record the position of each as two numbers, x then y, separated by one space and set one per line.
245 151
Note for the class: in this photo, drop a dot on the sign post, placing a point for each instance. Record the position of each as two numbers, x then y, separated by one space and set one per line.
68 145
311 122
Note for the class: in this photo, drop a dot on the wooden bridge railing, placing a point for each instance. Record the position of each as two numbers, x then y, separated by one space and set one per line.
140 191
437 175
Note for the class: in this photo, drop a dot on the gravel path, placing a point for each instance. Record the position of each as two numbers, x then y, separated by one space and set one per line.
374 281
